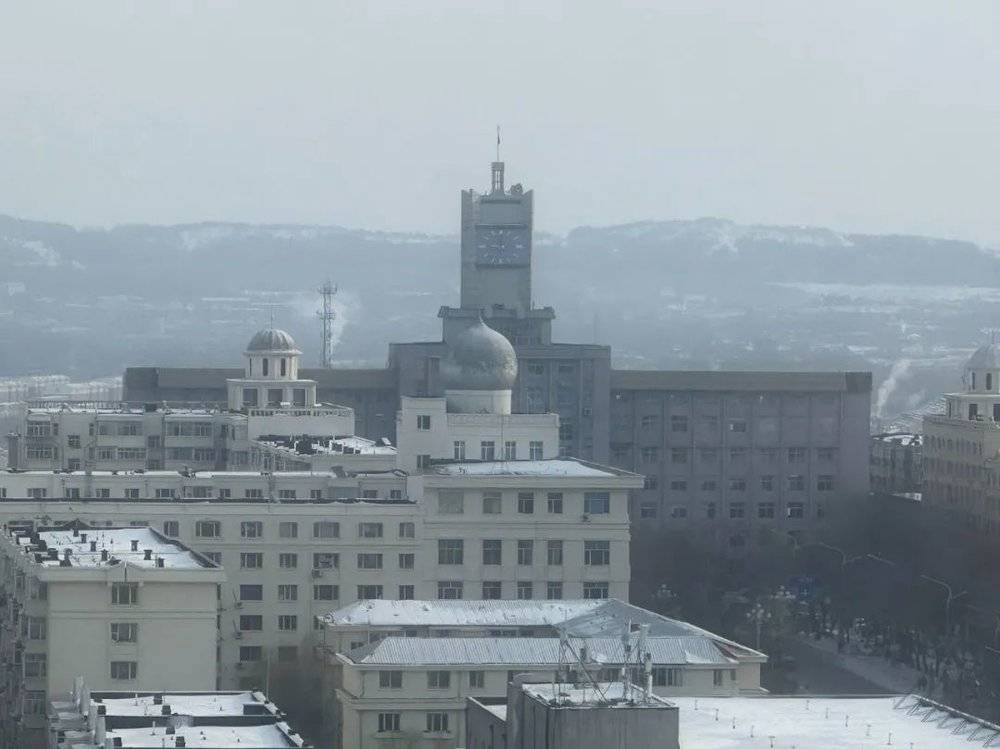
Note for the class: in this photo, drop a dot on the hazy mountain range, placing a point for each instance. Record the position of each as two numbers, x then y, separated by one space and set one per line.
705 293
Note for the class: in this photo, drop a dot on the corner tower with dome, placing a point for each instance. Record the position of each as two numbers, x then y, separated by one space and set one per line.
474 419
962 448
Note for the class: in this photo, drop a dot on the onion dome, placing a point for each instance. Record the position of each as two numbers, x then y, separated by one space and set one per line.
272 340
480 358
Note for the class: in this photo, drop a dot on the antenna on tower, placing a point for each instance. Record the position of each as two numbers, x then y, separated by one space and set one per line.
327 315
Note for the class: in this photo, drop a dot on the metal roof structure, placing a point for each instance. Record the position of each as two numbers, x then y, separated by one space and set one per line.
460 613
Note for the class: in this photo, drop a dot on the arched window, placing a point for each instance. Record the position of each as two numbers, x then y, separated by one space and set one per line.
284 369
250 368
989 380
265 361
973 380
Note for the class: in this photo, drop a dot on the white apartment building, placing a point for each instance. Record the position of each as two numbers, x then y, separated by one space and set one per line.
124 608
406 690
962 449
85 719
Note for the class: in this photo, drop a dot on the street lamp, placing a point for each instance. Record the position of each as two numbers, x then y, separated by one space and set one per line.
947 604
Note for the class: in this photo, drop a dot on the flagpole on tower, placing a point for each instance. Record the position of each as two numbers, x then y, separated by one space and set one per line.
498 143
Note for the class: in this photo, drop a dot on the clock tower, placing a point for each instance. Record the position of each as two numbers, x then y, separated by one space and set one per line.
496 263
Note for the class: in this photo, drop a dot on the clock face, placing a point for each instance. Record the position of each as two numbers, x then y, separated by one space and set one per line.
502 245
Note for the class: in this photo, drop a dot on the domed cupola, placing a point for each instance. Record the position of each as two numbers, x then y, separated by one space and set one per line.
479 371
272 355
982 371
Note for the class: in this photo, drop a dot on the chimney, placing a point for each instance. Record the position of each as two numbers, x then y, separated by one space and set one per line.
93 545
135 545
83 538
147 554
76 533
159 562
104 555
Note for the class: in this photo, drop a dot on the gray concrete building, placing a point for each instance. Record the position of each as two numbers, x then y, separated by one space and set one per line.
725 451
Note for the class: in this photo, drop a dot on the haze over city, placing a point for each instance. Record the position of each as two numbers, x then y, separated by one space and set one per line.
858 116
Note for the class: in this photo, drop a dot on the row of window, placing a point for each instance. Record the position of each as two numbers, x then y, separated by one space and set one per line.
453 503
488 449
275 397
737 510
793 483
451 551
492 590
194 492
289 529
255 622
289 592
737 455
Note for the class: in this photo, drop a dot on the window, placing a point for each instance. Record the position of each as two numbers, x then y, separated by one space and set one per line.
526 503
326 560
796 510
251 622
34 702
369 561
450 551
824 483
34 493
595 590
554 553
406 530
369 530
253 494
737 510
492 590
251 560
423 460
36 664
678 512
491 503
423 423
525 552
406 561
451 502
208 529
737 485
288 561
36 627
288 592
131 453
390 679
287 494
73 441
477 679
678 423
275 396
388 722
437 722
122 632
554 591
438 679
326 529
315 494
251 592
213 556
251 529
251 653
326 592
124 670
535 450
717 677
536 368
648 510
765 510
487 450
829 454
492 551
710 511
369 592
129 429
668 677
450 589
796 483
596 503
459 450
288 623
124 594
650 454
288 529
509 450
406 593
650 482
554 503
678 485
738 426
597 553
525 591
796 455
164 493
225 493
767 483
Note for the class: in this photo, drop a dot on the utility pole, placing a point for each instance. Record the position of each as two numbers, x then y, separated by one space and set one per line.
327 315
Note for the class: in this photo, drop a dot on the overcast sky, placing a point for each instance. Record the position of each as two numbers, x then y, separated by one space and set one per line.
858 115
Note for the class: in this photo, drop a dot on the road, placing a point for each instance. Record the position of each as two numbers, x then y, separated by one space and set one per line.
815 675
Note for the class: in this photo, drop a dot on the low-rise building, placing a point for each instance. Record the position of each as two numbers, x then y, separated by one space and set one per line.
85 719
897 463
123 607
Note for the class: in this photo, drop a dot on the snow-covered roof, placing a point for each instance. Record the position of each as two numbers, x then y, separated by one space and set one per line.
554 467
900 438
461 613
530 651
117 542
194 703
615 693
310 445
823 722
270 736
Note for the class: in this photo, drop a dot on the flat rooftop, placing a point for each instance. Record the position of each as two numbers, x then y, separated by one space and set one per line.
554 467
87 547
613 695
313 445
532 651
217 704
825 722
274 736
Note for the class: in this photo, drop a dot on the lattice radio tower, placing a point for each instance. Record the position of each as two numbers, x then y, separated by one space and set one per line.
327 315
